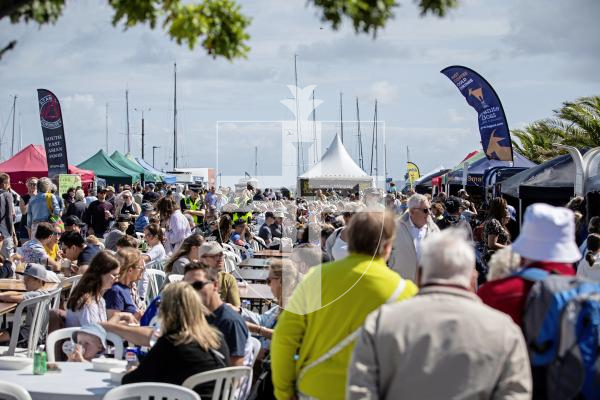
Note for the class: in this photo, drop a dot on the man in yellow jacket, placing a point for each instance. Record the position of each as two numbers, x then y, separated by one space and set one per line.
315 335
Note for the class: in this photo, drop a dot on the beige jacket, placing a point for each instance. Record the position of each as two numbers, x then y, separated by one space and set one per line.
404 256
442 344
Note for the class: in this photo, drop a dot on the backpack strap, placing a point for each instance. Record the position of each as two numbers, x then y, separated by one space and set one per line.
350 338
532 274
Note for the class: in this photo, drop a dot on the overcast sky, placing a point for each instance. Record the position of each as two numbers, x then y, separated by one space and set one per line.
536 54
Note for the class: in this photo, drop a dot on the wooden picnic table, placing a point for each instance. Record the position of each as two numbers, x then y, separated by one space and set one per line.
271 254
6 308
12 284
255 275
255 263
255 291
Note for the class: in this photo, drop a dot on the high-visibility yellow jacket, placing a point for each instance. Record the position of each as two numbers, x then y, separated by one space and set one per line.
342 294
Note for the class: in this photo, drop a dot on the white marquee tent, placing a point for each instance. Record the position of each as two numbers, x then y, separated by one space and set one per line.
336 170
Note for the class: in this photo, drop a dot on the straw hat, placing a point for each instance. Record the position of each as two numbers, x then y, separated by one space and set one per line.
548 234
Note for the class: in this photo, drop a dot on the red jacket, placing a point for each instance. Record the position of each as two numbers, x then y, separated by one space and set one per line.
509 294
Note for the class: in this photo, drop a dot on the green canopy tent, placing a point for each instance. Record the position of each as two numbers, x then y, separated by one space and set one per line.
107 169
125 162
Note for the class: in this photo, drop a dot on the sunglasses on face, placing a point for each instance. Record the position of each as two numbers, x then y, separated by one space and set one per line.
198 285
424 210
114 276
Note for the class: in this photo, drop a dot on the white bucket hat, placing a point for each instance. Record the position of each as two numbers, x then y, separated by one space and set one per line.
548 234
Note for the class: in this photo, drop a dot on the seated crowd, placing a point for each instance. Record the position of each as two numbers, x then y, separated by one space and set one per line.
381 297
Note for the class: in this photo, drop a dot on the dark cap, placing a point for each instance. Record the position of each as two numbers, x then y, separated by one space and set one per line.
453 204
123 218
102 190
73 220
239 222
147 207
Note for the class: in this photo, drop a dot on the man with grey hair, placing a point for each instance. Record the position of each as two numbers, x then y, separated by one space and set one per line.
412 229
38 209
461 349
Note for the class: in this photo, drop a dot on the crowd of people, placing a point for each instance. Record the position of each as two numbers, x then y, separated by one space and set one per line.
384 294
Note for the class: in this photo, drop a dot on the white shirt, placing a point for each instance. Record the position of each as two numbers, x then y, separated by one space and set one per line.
339 249
584 270
418 235
177 230
157 253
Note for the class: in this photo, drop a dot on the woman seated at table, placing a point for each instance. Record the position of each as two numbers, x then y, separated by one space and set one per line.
123 296
34 250
185 254
188 346
88 343
262 325
86 305
154 237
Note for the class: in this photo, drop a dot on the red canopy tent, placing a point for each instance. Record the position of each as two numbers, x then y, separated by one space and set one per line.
31 161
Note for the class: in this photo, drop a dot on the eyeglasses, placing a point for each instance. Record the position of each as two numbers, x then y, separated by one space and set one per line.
114 276
198 285
423 210
217 256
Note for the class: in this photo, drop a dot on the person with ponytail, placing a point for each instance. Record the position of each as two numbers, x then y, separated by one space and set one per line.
589 266
154 236
185 254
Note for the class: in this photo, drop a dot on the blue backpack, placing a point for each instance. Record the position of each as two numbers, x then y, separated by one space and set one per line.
561 323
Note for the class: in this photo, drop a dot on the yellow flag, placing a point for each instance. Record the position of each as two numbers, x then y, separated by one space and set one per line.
413 172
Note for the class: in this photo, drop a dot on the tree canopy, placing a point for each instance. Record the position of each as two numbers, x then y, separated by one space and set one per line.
219 26
575 124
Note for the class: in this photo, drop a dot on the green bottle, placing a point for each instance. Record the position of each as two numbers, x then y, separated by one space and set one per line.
39 361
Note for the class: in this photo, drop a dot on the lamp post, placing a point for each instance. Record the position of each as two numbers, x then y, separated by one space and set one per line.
142 111
153 149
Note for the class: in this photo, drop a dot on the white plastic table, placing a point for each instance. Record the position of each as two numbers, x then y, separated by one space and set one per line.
75 381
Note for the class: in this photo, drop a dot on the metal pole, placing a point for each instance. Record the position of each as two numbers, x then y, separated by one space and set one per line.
153 149
255 161
341 119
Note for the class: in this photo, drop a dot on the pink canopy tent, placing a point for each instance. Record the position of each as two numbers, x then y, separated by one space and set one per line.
31 162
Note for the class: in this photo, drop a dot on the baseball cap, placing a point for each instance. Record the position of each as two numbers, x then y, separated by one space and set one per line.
210 249
102 190
110 189
38 271
147 207
73 220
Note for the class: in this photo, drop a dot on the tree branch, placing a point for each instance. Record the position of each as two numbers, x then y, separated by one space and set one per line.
8 47
7 7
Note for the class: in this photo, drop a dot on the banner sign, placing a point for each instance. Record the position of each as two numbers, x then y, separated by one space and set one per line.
412 172
54 134
66 181
493 127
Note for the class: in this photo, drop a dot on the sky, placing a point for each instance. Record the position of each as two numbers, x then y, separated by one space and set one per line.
536 53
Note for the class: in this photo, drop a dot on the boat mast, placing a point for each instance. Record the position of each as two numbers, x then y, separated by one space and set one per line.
106 126
175 118
314 127
374 141
298 149
127 112
341 119
360 149
12 145
255 161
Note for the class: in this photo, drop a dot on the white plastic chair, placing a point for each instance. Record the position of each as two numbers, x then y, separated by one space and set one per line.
227 247
67 333
226 381
156 279
174 278
151 390
73 280
41 306
55 298
12 391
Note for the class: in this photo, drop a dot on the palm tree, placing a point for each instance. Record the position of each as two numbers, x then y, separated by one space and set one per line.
576 124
